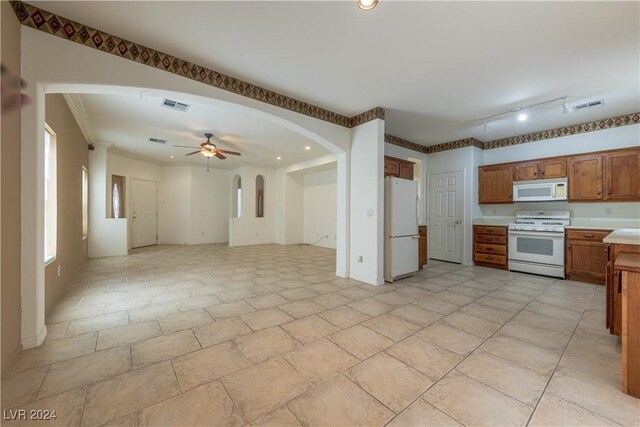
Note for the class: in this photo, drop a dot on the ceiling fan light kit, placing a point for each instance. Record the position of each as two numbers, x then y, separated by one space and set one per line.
209 150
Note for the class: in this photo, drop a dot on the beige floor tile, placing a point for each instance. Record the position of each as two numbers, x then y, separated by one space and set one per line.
236 295
510 306
436 305
221 331
553 411
266 343
322 288
473 403
339 402
468 291
55 331
56 351
66 312
266 301
67 406
153 312
206 365
511 296
537 336
343 317
201 301
391 327
309 328
453 339
299 309
394 298
171 296
265 318
453 298
528 355
601 396
230 309
505 376
390 381
163 347
281 417
185 320
208 405
258 390
545 321
488 313
21 387
360 341
331 300
423 414
97 323
356 293
297 294
471 324
414 314
428 358
85 370
550 310
320 360
126 421
371 306
126 393
128 334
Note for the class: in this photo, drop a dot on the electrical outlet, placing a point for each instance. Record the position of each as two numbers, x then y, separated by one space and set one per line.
494 211
203 233
360 258
609 211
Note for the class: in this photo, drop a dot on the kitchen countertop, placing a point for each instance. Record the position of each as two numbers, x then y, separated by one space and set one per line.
580 223
625 236
499 221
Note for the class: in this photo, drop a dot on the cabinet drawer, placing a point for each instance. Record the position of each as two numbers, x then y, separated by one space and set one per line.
490 249
592 235
489 258
484 238
487 229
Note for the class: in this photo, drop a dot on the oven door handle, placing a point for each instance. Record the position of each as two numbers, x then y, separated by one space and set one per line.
537 233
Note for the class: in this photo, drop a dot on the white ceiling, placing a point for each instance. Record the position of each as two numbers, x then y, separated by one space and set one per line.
436 67
128 121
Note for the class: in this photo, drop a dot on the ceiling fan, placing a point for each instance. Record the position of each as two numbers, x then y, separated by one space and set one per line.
209 149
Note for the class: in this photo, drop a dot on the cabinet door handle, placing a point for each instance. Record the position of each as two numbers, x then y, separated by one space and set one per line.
616 273
568 245
587 235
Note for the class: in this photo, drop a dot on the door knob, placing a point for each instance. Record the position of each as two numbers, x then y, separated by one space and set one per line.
457 221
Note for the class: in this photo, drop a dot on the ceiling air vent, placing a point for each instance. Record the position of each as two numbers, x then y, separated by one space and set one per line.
158 140
587 105
175 105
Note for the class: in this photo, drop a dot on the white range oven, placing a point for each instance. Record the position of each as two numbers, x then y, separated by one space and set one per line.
536 242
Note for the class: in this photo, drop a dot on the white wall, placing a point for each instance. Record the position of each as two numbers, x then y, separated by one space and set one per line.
293 209
367 203
174 218
247 229
210 205
319 208
419 172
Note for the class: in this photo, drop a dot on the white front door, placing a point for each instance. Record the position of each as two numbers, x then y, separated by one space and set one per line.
144 212
445 216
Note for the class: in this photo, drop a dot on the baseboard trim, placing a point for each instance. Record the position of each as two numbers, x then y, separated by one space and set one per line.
35 341
368 280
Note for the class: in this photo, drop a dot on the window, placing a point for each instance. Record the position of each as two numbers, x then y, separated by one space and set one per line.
259 196
85 203
50 195
236 192
117 197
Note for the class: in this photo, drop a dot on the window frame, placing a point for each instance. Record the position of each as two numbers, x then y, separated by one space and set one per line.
50 236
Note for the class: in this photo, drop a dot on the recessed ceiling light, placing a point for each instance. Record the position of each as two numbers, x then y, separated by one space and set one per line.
366 4
172 156
522 117
278 158
307 148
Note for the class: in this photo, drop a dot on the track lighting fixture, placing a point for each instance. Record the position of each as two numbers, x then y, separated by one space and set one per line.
565 106
522 112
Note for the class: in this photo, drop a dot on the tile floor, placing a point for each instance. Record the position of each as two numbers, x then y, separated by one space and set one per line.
267 335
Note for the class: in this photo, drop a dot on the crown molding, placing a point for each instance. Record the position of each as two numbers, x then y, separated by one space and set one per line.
50 23
80 114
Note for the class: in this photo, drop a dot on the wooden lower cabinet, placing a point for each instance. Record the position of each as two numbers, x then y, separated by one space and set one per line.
490 246
586 256
614 287
422 246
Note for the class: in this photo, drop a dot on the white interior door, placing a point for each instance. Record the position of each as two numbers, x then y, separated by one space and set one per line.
144 213
445 216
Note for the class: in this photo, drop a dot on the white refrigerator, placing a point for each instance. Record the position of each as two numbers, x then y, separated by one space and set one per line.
401 215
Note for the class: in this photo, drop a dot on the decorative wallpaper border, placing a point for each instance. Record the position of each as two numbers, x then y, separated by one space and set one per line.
395 140
76 32
460 143
613 122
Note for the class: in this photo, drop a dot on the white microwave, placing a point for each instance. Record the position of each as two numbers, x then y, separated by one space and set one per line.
540 190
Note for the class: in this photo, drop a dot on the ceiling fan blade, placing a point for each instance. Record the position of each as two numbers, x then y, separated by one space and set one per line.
235 153
220 156
191 154
185 146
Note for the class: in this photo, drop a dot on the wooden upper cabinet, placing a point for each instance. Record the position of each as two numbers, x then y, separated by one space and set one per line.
585 178
495 184
398 167
526 171
556 168
622 175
